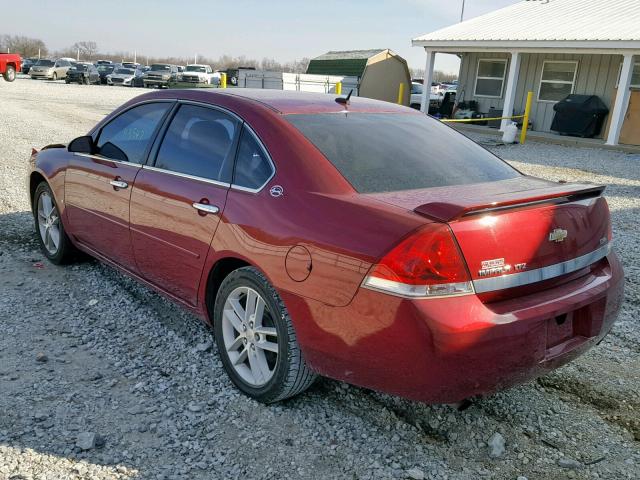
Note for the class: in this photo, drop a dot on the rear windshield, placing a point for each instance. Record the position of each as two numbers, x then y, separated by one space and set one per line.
45 63
381 152
160 68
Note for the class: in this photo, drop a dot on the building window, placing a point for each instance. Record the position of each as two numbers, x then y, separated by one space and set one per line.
635 76
490 77
557 81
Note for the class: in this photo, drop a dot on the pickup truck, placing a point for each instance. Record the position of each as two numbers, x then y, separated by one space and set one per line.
197 74
10 63
160 75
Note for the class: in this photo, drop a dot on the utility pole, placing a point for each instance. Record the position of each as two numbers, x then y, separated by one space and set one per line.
462 12
195 58
135 57
78 56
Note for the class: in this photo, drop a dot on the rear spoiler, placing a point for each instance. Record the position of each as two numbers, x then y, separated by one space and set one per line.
446 212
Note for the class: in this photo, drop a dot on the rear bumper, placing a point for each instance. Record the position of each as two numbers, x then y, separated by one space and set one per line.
446 350
41 75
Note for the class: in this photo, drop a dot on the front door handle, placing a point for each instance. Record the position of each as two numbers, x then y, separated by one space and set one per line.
119 184
206 208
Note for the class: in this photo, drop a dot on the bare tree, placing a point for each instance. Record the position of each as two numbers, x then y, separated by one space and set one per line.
86 48
25 46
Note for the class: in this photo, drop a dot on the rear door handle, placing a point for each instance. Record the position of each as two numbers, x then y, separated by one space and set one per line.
119 184
206 208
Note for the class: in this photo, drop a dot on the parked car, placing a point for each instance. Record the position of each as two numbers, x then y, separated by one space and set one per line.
83 73
126 77
371 244
160 75
27 63
50 69
105 70
197 73
416 97
10 63
103 62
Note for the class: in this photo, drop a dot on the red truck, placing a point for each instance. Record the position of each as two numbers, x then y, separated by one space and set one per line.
10 63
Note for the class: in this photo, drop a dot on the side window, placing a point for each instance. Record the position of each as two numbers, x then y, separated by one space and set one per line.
199 142
127 137
253 167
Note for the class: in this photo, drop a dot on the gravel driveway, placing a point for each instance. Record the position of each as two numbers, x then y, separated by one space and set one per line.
102 378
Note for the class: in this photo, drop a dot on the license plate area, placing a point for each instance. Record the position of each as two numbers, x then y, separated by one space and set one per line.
559 329
570 330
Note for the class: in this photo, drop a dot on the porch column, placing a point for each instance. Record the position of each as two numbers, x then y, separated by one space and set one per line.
510 92
622 100
428 78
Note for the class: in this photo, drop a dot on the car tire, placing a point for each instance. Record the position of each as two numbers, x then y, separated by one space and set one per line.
67 81
43 211
54 77
260 353
85 80
10 73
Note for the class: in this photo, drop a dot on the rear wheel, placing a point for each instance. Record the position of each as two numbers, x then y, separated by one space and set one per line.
53 240
10 73
54 77
85 80
256 339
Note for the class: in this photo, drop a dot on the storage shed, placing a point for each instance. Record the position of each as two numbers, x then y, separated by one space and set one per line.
380 72
554 48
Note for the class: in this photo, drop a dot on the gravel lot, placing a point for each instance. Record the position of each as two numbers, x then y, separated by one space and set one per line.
102 378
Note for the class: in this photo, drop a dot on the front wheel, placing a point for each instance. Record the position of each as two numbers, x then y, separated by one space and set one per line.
54 77
10 73
256 339
53 240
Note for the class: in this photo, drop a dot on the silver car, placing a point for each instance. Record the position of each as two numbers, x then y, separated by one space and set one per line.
50 70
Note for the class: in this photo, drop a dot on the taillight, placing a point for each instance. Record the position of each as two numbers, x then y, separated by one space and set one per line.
426 264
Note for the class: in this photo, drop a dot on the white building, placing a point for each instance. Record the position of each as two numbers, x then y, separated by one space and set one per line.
551 47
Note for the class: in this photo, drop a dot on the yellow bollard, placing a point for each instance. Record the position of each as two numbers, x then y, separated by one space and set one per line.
223 80
401 94
339 88
525 120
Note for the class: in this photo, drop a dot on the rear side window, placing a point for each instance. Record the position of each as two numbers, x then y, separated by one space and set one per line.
127 137
253 168
199 142
382 152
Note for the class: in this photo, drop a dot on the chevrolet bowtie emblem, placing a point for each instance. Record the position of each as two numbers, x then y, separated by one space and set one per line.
558 235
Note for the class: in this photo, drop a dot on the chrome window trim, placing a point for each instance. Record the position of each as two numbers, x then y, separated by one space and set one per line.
97 129
186 175
235 186
519 279
100 157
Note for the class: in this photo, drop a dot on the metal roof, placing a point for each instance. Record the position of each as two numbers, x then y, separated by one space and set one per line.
547 23
350 54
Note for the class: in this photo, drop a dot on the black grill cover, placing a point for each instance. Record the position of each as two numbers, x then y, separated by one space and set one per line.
580 115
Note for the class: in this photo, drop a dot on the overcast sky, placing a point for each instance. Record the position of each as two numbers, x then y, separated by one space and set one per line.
279 29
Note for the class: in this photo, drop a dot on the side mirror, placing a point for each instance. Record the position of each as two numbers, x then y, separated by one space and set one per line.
82 145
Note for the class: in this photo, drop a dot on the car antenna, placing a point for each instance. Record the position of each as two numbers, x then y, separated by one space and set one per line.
344 100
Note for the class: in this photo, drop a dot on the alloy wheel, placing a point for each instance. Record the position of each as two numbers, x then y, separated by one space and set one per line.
48 223
250 336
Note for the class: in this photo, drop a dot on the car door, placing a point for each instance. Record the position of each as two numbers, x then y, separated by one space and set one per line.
98 186
176 202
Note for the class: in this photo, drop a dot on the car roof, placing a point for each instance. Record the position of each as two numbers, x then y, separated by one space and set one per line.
292 102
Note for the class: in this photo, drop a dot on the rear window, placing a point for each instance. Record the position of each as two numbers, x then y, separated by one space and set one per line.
382 152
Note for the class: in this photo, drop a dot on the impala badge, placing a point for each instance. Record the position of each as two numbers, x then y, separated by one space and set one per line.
558 235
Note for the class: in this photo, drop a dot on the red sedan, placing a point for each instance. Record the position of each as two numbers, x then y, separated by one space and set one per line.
355 239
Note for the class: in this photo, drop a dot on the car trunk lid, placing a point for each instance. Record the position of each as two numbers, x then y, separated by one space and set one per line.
517 232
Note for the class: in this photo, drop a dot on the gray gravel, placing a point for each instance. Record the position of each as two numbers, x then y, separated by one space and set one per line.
102 378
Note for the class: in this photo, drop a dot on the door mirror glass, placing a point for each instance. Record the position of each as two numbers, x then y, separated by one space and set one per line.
82 145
